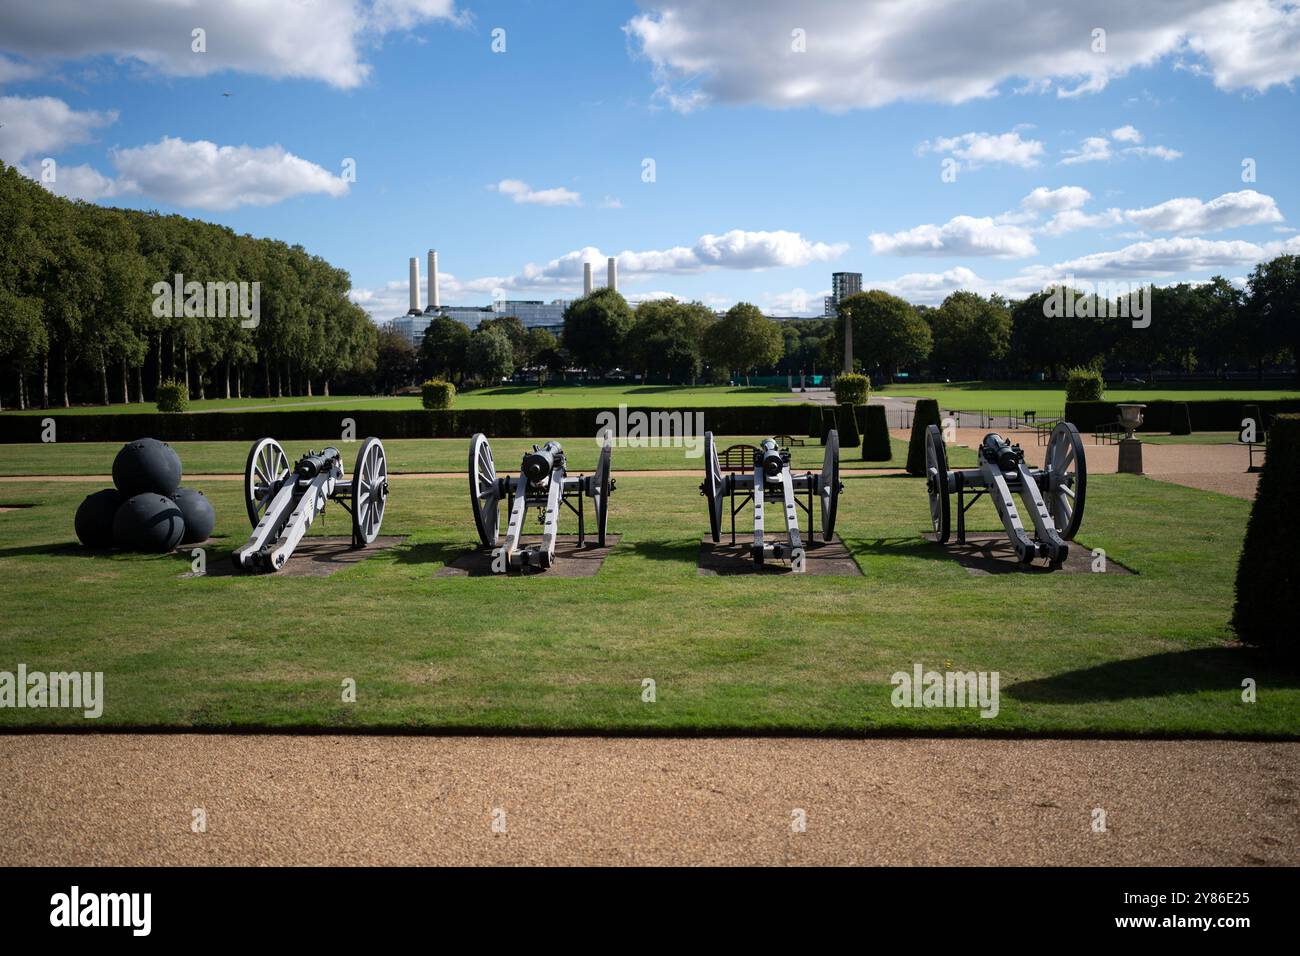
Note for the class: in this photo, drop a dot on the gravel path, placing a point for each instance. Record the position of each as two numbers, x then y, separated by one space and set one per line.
128 799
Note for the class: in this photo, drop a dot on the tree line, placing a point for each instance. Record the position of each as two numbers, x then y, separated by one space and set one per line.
80 313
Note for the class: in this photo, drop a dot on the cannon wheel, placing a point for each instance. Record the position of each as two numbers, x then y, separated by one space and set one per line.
484 493
267 464
936 483
369 492
830 483
712 489
1067 479
602 483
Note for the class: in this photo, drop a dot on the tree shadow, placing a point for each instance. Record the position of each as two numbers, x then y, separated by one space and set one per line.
685 552
1158 675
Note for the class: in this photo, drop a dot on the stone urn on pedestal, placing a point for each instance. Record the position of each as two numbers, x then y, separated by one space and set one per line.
1130 448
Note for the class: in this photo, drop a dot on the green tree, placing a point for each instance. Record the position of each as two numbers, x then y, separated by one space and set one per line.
665 338
969 331
489 356
1274 310
395 361
887 332
442 351
744 339
595 327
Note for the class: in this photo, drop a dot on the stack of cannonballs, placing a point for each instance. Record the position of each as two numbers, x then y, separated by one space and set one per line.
148 510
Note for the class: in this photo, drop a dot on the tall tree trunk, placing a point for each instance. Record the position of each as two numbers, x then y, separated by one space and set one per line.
22 389
309 395
159 382
199 372
139 383
126 384
103 378
227 376
45 380
185 357
239 382
279 387
326 392
266 372
64 371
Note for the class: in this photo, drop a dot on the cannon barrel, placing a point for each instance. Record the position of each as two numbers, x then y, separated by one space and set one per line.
313 463
540 462
769 455
1001 452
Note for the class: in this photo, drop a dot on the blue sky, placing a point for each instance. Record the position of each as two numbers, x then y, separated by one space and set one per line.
774 165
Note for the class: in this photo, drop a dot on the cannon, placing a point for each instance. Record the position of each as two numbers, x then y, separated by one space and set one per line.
544 484
1052 495
283 502
770 480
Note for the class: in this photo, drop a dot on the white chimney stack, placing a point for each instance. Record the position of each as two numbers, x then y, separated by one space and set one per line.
415 286
612 280
433 280
586 278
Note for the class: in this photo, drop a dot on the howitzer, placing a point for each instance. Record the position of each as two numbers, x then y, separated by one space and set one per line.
771 481
544 484
1052 495
283 502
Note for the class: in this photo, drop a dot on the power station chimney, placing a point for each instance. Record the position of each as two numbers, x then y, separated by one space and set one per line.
433 280
415 287
586 278
612 280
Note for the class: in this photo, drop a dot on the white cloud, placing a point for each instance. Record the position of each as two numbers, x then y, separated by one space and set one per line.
611 202
1159 152
12 70
950 51
42 125
1068 220
310 39
203 175
795 302
959 236
1091 150
979 149
1163 257
1189 214
1126 134
521 192
1043 199
81 182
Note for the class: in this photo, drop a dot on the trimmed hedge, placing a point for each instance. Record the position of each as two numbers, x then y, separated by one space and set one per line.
1084 385
848 420
828 422
852 389
393 423
435 393
1267 572
926 414
1210 415
875 434
172 396
815 421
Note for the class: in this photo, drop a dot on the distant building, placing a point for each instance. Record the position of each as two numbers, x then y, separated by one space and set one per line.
843 285
534 314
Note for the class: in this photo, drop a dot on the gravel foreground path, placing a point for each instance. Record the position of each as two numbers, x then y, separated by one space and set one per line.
129 799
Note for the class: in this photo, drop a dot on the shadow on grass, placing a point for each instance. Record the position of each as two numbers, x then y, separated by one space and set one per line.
910 546
432 552
686 552
1158 675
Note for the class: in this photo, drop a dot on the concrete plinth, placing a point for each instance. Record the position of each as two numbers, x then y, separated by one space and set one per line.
1130 456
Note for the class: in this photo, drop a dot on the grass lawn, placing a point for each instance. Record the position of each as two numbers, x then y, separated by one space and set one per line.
415 455
995 396
1092 653
553 396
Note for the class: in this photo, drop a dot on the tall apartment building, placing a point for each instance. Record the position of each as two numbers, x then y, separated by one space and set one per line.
843 284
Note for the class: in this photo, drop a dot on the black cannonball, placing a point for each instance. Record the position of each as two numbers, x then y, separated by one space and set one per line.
148 522
147 466
197 512
94 520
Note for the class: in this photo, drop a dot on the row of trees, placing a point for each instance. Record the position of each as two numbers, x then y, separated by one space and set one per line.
1208 328
79 313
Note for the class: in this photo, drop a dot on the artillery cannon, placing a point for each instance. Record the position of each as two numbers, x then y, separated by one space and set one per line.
283 502
1052 495
771 481
543 483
